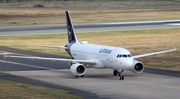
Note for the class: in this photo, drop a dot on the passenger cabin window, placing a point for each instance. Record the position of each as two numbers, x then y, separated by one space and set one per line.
123 55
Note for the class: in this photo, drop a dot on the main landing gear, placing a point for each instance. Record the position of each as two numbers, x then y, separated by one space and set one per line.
119 73
80 76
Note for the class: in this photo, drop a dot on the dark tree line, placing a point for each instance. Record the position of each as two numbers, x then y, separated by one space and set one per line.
12 0
32 0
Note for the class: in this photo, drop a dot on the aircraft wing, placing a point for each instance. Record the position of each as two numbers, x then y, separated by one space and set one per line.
53 59
154 53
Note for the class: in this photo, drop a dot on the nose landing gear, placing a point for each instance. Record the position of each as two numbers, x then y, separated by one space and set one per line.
119 73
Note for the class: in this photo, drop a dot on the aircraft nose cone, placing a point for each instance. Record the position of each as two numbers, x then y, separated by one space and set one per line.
128 63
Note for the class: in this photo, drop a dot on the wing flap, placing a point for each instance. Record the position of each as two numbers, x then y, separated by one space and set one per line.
154 53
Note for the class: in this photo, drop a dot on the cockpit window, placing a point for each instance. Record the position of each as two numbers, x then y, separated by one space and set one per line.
123 55
129 55
119 55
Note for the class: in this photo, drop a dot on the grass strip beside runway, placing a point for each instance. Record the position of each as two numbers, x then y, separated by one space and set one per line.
87 11
13 90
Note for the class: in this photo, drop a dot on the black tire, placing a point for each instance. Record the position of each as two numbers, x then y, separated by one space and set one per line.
82 76
115 72
77 76
122 77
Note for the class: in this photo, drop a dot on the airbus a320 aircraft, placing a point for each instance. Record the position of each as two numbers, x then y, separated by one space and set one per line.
94 55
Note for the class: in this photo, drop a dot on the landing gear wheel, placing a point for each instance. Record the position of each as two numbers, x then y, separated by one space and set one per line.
82 76
77 76
115 72
121 77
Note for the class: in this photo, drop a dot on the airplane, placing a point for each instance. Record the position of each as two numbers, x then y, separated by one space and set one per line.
97 56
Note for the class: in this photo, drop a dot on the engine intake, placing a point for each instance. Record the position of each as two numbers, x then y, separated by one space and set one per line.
138 67
78 69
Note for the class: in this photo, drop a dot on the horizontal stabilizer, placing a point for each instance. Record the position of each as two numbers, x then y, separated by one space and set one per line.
59 47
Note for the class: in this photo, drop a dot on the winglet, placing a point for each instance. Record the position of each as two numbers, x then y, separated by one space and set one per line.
70 29
4 55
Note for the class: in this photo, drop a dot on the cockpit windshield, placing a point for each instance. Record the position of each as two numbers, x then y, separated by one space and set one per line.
123 55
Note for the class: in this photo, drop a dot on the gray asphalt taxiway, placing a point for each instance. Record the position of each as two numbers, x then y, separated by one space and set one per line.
97 83
95 27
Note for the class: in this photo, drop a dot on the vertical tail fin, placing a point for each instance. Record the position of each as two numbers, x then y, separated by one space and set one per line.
70 29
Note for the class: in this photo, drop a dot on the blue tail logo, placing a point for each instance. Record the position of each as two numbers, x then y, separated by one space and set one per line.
70 29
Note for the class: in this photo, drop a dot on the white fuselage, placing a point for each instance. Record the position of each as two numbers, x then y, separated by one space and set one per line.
105 56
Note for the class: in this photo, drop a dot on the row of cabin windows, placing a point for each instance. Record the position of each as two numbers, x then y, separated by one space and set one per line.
123 55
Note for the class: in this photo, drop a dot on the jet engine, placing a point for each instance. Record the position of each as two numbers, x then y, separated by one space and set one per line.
138 67
78 69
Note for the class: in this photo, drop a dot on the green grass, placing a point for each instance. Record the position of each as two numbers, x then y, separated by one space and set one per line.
13 90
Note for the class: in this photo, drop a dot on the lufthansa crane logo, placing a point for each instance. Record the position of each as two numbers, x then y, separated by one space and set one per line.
69 30
70 33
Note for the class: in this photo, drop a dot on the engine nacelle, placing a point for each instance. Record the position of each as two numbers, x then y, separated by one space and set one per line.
78 69
138 67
